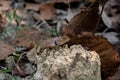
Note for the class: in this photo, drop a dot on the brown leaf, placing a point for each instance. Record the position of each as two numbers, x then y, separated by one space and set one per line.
64 1
32 6
4 5
23 43
25 36
5 50
47 11
85 21
116 76
32 53
55 41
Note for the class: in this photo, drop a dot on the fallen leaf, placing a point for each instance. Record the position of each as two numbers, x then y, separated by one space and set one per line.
32 53
25 36
53 42
116 76
64 1
31 6
4 5
85 21
47 11
5 50
22 13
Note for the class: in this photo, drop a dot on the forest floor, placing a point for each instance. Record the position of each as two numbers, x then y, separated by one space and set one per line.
27 28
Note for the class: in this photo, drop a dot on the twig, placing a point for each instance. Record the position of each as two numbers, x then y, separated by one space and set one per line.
20 58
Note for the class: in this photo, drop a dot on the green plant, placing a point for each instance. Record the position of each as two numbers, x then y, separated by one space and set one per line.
14 77
9 17
5 70
13 16
54 32
10 30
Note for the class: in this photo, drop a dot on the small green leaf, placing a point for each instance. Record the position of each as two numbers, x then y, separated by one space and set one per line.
5 70
54 32
4 33
9 16
16 58
14 78
18 28
14 14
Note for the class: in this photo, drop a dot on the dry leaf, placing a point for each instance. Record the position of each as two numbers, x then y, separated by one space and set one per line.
85 21
32 53
47 43
25 36
116 76
5 50
64 1
31 6
4 5
53 42
47 11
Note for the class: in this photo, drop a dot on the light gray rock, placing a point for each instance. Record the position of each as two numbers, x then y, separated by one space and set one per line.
74 63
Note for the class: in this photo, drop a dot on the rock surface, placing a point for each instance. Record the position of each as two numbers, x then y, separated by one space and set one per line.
74 63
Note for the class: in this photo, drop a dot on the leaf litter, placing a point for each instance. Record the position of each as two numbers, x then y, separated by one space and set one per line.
36 28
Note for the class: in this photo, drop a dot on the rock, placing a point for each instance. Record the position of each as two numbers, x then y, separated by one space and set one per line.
74 63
